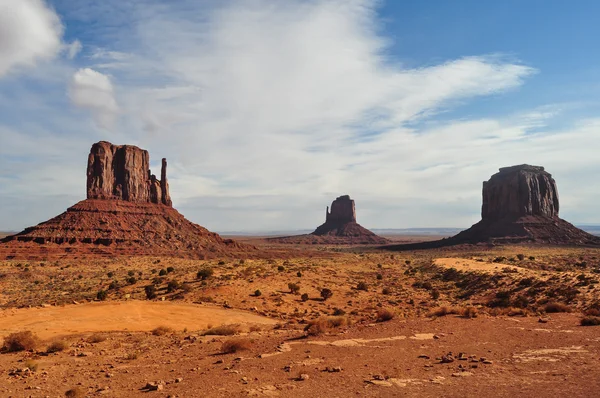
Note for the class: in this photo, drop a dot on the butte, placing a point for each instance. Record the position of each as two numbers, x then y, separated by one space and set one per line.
520 205
128 211
340 227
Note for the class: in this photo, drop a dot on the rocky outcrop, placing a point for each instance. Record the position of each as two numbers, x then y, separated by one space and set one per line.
128 212
520 205
519 191
340 227
123 172
342 211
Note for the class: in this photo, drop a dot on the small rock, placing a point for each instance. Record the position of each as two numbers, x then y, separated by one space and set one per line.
462 374
488 362
303 377
179 380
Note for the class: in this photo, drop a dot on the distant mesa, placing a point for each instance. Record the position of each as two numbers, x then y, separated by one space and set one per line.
520 205
128 211
340 227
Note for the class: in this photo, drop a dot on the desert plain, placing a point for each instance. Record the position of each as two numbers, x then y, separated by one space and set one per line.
462 321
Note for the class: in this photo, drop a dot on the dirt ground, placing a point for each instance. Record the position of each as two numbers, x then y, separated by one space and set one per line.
470 321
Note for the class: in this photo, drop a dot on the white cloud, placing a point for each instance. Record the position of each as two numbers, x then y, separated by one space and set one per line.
268 110
94 91
30 31
73 49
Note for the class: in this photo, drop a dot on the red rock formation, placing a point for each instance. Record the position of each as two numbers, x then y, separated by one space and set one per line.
520 204
340 227
123 172
128 212
519 191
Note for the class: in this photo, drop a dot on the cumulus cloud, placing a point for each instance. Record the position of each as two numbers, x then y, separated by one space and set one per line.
94 91
30 32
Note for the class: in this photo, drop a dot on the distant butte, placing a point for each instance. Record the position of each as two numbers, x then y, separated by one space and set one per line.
520 205
128 211
340 227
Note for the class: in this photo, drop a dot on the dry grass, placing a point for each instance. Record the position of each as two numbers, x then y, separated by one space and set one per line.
324 324
469 312
235 345
20 341
510 311
223 330
57 346
384 315
553 307
162 330
443 311
31 365
96 338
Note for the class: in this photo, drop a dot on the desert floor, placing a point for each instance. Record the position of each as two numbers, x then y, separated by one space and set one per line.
463 321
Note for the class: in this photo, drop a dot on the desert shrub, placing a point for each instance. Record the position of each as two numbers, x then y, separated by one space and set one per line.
172 286
407 262
131 272
362 286
110 274
379 277
384 315
299 274
20 341
74 392
502 299
101 295
131 356
427 285
114 285
554 307
57 346
499 259
96 338
590 321
294 287
443 311
386 290
326 293
468 312
204 273
150 292
323 324
509 311
526 282
338 312
532 258
304 297
161 330
162 272
435 294
131 280
257 293
281 268
223 330
234 345
520 302
521 257
170 269
221 262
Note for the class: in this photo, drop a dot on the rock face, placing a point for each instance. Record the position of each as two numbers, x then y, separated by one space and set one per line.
128 212
519 191
123 172
342 211
520 204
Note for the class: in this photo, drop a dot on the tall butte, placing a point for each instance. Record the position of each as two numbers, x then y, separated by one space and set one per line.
128 211
340 222
520 204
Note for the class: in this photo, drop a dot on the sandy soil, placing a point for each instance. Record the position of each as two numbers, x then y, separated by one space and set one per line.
120 316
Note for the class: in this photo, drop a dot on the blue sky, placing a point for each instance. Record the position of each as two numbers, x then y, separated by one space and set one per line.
268 110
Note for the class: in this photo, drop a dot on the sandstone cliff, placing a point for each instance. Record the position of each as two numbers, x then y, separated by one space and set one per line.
123 172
